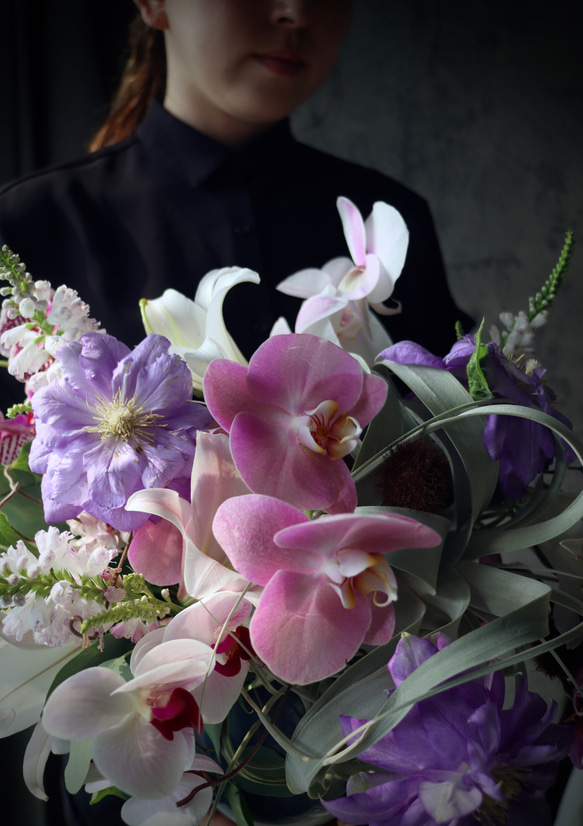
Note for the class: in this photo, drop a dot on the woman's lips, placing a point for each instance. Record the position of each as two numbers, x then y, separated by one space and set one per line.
283 63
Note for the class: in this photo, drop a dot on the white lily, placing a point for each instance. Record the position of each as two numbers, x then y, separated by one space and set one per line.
26 674
196 328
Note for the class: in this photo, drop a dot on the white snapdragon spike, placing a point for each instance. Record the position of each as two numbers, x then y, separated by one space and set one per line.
92 533
196 328
519 337
34 324
378 247
53 618
142 731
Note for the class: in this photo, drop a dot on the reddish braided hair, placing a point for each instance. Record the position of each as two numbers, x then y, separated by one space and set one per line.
143 78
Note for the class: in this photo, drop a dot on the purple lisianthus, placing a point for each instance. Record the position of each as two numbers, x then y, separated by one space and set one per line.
119 421
458 758
523 448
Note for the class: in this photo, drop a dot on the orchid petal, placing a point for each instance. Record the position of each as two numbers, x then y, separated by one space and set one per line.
246 527
85 704
156 552
387 237
354 231
305 283
136 758
298 615
35 759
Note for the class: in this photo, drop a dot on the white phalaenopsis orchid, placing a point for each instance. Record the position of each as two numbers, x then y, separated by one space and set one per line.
339 296
196 328
378 247
153 716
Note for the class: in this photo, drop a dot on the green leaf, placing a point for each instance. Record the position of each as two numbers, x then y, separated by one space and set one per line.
111 790
475 474
23 510
8 535
477 384
238 805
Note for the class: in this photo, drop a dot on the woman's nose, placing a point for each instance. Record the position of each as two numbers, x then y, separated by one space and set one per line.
290 13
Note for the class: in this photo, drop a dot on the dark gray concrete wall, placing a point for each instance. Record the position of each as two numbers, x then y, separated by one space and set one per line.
479 107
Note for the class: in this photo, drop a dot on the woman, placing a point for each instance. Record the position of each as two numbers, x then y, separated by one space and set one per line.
199 170
196 168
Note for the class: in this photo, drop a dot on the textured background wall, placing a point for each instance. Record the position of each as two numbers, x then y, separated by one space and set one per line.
479 107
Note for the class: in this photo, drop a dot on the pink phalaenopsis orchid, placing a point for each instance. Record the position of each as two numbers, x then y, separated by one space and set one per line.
293 415
328 587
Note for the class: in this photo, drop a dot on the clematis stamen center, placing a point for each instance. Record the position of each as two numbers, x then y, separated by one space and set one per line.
123 419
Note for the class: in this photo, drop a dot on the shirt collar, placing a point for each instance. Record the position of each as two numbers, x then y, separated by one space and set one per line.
194 157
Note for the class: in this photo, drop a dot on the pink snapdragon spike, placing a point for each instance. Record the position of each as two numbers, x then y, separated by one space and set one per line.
378 247
292 415
14 433
328 587
142 730
214 479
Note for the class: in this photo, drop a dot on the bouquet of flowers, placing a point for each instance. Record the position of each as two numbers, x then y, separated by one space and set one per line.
318 581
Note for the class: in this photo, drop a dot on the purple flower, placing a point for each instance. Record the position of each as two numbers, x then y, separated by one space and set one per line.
119 421
458 758
523 448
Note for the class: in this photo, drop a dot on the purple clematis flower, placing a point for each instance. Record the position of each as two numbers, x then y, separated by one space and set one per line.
523 448
458 758
119 421
328 585
292 415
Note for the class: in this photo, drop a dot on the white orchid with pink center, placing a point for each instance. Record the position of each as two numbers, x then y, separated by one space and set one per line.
339 296
292 416
154 715
328 587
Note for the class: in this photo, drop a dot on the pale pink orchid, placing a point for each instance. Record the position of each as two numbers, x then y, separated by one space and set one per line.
293 415
196 328
378 247
142 731
202 560
328 587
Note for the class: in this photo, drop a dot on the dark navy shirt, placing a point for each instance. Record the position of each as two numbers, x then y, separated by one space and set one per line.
166 206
